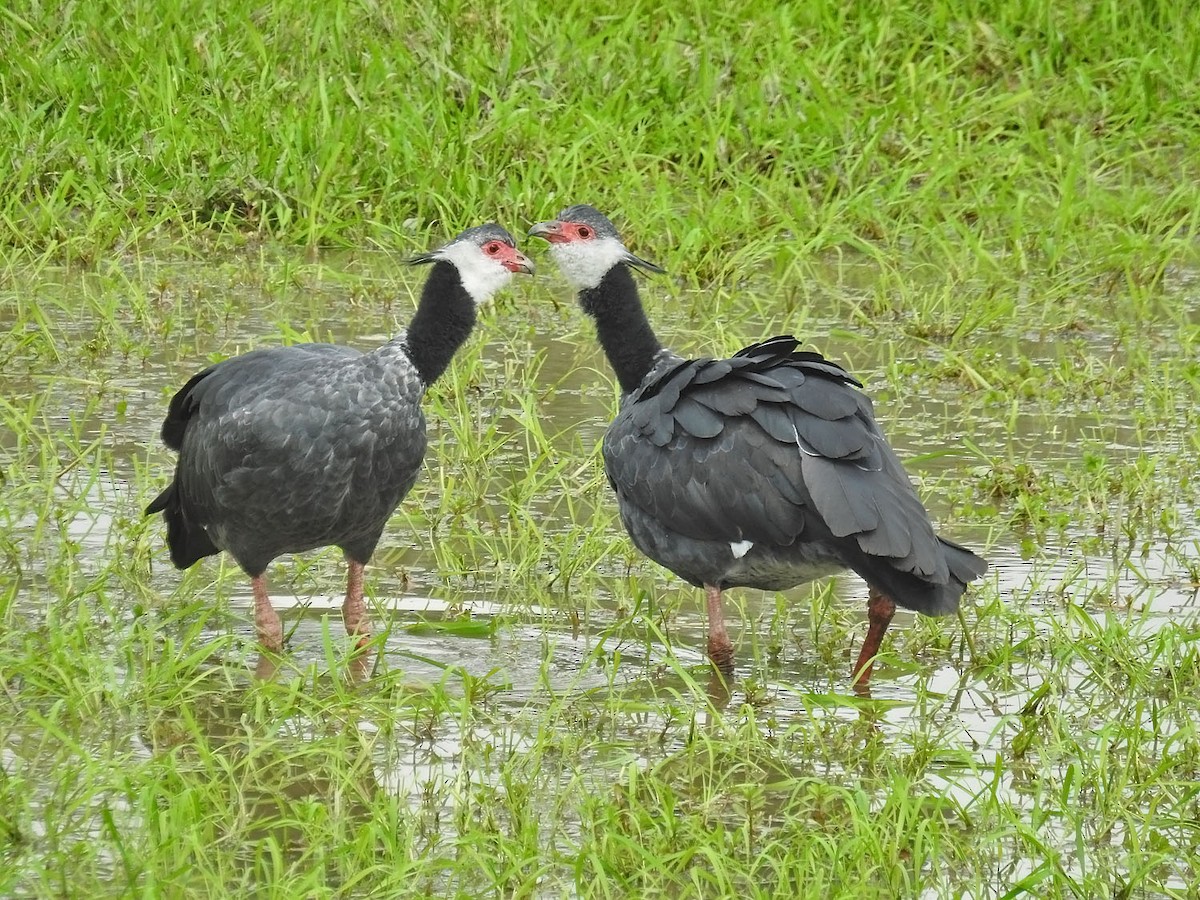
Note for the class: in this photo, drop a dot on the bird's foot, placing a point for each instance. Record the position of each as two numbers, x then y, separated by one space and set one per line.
862 685
358 668
265 667
270 639
719 691
721 654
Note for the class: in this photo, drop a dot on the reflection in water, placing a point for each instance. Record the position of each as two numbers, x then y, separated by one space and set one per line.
719 690
272 778
582 651
358 665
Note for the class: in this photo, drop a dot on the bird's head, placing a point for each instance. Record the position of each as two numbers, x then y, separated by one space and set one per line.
585 245
485 256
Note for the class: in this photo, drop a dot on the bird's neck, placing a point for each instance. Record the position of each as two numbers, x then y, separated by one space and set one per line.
621 325
443 321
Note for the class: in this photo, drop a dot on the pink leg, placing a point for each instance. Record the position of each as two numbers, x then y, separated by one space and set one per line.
266 620
354 611
720 649
880 609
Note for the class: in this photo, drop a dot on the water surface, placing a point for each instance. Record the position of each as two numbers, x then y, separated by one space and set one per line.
99 383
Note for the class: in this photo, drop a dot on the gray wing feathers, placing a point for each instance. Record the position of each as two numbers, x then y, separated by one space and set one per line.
295 447
772 445
964 565
697 419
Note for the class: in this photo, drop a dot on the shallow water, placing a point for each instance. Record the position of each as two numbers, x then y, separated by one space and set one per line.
111 384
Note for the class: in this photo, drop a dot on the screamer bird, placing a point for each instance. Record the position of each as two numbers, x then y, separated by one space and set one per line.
287 449
765 470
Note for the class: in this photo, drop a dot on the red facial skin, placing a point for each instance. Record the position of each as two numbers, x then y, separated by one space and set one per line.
565 232
510 257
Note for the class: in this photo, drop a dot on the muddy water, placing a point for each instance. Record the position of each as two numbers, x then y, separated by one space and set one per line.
216 310
111 384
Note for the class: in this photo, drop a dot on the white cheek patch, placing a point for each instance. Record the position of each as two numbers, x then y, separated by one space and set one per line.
585 263
740 548
481 276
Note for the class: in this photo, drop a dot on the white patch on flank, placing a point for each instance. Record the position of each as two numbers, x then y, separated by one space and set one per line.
740 548
481 275
585 263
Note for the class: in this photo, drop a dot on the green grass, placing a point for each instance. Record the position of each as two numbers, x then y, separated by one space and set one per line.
1044 743
987 211
987 138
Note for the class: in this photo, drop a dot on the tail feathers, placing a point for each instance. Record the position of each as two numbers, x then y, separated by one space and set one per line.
915 593
188 543
965 566
182 407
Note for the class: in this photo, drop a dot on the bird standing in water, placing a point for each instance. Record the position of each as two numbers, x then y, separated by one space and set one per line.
287 449
765 470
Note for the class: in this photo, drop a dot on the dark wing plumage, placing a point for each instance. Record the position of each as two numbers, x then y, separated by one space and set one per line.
773 445
239 372
187 539
272 434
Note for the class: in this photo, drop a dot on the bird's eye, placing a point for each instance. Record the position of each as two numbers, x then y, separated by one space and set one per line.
492 249
584 231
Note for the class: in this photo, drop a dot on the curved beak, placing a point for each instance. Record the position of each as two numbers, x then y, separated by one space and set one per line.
519 262
552 231
549 231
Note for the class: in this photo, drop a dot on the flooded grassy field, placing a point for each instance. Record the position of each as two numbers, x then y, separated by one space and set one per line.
987 211
539 718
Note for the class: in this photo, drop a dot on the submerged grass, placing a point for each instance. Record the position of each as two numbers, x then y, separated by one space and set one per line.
547 733
176 779
985 210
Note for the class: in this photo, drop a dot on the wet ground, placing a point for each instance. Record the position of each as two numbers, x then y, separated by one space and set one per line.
107 384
